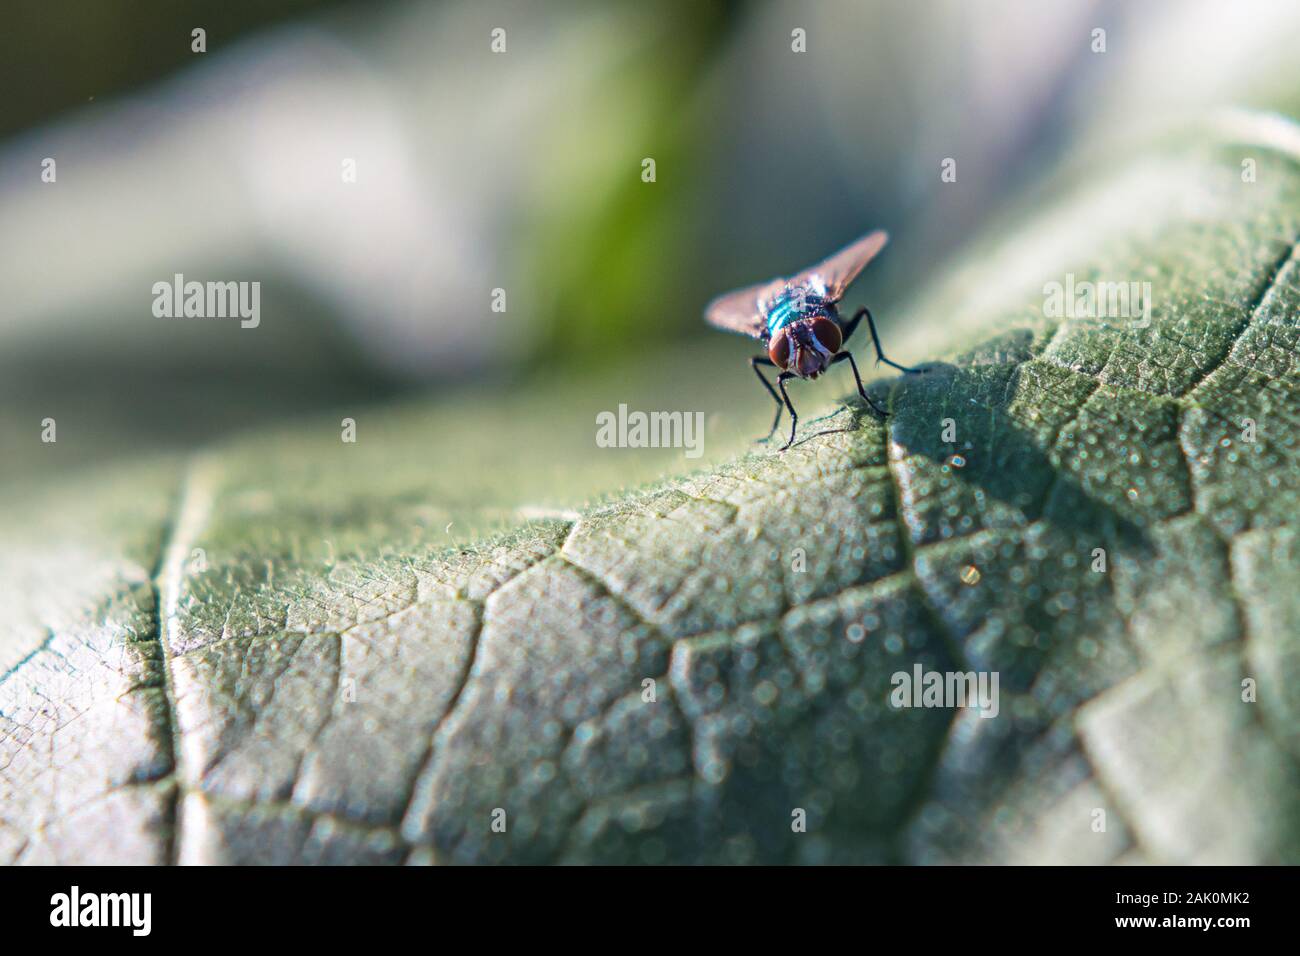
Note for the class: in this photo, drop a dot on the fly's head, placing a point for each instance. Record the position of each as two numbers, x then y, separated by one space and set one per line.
806 347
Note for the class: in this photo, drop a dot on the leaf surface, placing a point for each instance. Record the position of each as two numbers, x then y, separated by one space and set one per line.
333 682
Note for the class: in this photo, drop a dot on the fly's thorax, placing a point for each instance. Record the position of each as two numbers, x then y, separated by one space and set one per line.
806 347
793 304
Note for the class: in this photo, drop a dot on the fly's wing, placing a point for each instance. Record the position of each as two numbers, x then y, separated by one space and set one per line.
837 272
742 310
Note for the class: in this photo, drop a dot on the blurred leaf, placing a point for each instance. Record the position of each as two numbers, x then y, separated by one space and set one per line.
277 657
598 233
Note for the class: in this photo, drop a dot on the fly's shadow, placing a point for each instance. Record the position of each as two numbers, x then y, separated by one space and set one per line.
960 419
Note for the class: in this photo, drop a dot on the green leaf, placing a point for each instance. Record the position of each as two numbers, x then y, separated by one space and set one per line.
341 678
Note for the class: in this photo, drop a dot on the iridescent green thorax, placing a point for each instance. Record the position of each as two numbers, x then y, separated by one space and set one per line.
791 305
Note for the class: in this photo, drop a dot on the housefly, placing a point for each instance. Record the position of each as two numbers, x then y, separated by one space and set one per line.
798 321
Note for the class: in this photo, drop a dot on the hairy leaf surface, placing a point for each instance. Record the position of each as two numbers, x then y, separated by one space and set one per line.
271 653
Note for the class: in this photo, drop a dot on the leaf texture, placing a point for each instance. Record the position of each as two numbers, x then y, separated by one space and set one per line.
331 683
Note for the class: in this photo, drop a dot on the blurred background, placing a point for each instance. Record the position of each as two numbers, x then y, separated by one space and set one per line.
518 170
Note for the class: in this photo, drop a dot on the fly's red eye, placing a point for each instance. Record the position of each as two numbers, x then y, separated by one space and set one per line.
828 334
778 350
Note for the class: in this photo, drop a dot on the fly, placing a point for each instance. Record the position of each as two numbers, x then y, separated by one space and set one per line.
798 321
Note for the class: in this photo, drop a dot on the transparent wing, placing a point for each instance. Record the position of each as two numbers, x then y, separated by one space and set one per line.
741 310
837 272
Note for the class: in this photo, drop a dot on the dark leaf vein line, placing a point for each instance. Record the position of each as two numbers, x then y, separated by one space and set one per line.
1252 311
194 503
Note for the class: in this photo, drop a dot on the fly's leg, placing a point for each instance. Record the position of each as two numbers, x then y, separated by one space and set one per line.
842 356
851 325
794 417
754 363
